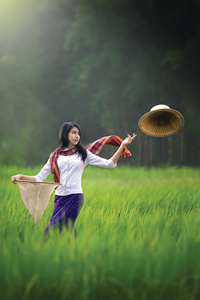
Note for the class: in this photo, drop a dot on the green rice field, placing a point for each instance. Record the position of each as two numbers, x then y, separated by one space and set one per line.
138 238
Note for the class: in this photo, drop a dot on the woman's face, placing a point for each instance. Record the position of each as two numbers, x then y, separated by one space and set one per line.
74 137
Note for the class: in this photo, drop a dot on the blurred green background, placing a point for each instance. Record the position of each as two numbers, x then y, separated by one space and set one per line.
103 64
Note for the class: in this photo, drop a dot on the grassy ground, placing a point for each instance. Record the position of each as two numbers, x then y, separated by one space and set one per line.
138 238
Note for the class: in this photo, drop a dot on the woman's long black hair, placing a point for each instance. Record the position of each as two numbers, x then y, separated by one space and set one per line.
64 141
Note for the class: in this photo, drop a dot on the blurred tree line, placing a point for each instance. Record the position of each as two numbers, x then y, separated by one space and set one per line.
103 64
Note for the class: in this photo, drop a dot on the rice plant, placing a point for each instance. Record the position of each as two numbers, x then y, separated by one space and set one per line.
138 238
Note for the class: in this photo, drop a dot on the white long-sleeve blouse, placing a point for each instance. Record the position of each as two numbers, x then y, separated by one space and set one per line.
71 168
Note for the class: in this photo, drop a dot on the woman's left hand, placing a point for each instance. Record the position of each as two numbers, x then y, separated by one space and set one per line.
125 142
129 139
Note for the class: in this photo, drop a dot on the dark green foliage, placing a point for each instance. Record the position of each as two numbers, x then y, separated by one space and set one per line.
100 63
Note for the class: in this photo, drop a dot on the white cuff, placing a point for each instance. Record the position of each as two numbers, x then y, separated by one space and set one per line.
111 164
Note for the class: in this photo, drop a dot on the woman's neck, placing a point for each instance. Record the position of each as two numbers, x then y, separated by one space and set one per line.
70 146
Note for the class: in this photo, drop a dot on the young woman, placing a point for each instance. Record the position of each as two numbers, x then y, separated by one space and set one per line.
67 163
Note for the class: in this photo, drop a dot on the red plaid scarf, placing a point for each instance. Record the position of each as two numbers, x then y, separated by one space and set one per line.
95 147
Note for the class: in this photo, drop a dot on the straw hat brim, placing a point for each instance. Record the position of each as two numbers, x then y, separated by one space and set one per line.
161 122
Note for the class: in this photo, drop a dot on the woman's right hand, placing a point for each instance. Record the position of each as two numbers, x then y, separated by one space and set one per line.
18 177
15 178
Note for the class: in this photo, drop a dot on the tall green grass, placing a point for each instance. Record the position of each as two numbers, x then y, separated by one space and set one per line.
138 237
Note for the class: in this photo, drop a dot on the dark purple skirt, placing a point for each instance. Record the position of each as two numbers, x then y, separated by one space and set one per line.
66 209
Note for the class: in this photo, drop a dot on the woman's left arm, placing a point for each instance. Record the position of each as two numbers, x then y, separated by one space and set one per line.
124 143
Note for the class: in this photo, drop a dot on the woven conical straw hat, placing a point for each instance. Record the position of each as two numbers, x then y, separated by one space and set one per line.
161 121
